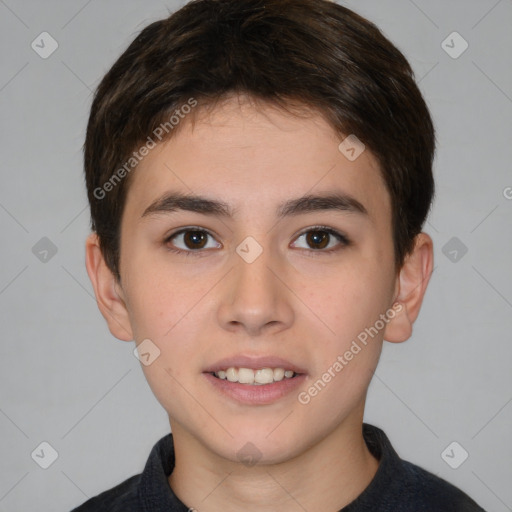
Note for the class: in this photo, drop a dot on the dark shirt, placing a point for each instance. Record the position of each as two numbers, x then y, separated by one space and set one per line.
398 486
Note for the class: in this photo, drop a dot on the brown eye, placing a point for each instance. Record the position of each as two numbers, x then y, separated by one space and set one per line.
191 240
195 239
318 239
322 240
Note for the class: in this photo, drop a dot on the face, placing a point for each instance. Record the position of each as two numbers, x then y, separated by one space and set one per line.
258 271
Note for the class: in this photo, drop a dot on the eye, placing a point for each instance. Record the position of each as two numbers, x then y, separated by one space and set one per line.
323 239
190 240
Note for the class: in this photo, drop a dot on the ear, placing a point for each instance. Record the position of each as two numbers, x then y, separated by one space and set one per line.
411 285
108 291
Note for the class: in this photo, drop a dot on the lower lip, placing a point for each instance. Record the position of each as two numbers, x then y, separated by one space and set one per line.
257 395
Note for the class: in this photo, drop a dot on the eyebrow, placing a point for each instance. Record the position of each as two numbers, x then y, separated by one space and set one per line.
173 201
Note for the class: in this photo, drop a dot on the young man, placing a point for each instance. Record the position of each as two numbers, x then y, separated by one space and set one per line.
259 173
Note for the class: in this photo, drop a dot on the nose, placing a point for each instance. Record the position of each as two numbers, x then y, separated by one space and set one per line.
254 299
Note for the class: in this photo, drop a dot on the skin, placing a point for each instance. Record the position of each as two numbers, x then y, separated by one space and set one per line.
293 301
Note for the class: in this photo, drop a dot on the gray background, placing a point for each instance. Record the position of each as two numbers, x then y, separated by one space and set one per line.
65 380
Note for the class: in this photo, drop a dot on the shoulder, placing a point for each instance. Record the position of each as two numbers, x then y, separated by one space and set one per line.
141 491
121 498
401 486
424 491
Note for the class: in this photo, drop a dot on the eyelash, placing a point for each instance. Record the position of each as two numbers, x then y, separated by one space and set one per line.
345 242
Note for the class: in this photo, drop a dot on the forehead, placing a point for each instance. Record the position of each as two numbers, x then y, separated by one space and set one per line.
253 156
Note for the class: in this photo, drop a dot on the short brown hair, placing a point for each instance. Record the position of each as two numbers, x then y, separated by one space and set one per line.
314 53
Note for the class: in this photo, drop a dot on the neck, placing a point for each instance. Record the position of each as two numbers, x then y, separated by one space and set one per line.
327 476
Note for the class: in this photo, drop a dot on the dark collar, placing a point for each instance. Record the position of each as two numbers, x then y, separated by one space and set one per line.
155 493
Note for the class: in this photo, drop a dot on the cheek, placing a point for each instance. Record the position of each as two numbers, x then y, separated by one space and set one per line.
348 355
351 299
159 294
167 309
162 310
350 303
149 310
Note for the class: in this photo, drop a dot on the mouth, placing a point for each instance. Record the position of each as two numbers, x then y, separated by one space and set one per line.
251 380
251 377
254 393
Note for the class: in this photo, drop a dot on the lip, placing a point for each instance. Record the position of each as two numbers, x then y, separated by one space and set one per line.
254 363
255 395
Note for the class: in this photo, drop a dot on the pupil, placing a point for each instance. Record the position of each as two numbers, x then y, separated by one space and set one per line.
195 237
318 238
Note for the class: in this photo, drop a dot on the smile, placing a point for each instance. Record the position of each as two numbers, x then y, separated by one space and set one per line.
254 377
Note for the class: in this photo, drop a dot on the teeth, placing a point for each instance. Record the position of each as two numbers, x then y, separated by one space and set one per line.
256 378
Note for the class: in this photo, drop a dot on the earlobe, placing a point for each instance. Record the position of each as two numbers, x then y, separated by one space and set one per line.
412 285
108 292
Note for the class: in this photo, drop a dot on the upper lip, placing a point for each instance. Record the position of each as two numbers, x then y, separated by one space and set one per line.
255 363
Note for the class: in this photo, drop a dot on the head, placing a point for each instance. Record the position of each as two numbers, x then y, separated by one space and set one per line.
227 118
